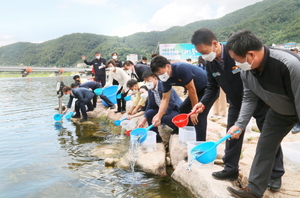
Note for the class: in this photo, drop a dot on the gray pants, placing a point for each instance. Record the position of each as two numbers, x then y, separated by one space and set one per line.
275 128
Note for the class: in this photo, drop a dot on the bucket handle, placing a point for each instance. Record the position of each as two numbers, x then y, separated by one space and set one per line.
225 138
149 127
123 119
191 113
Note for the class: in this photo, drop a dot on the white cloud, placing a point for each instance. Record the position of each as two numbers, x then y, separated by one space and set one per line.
91 2
180 13
6 40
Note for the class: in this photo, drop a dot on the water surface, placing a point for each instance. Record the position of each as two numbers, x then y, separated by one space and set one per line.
37 160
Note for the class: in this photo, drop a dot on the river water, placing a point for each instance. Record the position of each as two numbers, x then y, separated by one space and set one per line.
39 160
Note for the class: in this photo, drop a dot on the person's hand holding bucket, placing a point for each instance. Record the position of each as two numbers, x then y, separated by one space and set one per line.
232 132
156 120
199 107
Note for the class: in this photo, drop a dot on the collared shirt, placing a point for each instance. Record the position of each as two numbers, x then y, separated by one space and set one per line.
221 63
183 73
277 85
98 66
156 95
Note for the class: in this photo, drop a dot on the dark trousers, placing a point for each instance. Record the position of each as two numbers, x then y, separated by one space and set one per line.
101 79
276 127
103 97
115 82
234 147
121 102
80 106
166 119
200 128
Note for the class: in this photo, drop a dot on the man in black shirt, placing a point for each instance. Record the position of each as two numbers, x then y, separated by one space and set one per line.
84 97
143 61
94 85
135 71
222 72
99 65
114 57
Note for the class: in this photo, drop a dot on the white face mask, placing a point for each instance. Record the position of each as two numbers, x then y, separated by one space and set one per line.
244 66
144 95
209 57
150 85
111 68
134 91
115 57
98 57
164 77
128 71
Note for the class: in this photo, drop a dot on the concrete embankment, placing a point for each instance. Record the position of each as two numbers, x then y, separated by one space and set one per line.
199 180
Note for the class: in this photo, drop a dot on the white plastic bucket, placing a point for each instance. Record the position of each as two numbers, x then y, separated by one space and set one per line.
131 125
186 134
291 151
149 144
190 146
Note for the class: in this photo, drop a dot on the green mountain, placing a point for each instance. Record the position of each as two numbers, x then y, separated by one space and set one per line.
273 21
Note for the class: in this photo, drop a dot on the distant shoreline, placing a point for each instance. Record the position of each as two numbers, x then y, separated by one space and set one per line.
32 75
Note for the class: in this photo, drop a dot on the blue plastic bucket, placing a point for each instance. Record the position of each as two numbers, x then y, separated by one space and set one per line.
127 98
141 133
110 93
98 91
58 117
69 116
205 152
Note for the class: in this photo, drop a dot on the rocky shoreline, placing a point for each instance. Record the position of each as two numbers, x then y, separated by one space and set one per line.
198 181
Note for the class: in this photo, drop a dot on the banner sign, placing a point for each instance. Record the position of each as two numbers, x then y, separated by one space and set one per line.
178 51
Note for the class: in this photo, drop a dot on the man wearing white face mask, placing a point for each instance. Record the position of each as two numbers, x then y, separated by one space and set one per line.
223 72
275 78
99 65
155 94
135 71
138 101
191 77
118 74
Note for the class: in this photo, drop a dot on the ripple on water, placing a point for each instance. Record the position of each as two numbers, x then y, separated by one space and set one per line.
40 160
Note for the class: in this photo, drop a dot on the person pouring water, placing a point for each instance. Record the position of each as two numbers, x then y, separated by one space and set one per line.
186 75
122 78
155 93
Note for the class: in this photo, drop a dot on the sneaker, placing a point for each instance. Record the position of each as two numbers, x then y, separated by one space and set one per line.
296 128
83 119
90 110
117 111
224 175
241 193
112 107
274 184
123 111
76 116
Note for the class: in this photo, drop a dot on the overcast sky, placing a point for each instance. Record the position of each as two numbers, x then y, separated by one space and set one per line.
37 21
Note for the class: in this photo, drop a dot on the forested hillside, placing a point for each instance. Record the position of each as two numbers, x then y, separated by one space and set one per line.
273 21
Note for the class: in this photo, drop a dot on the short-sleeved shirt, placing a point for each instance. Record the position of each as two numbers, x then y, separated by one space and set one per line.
183 73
